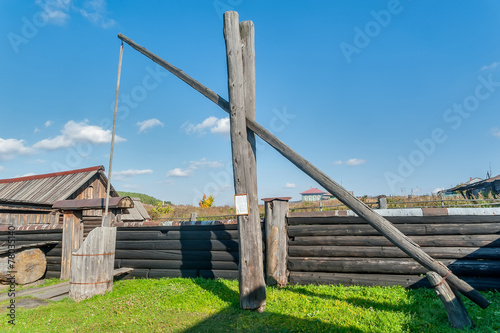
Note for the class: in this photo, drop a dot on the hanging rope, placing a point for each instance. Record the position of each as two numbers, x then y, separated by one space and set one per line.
113 137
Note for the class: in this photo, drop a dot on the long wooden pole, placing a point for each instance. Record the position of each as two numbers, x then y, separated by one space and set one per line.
251 267
106 220
374 219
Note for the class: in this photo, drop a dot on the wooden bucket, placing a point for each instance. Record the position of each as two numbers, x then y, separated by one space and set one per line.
92 264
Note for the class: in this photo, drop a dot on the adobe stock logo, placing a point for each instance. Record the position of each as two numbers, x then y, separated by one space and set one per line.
372 29
453 116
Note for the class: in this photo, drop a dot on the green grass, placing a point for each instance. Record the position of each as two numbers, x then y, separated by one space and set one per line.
198 305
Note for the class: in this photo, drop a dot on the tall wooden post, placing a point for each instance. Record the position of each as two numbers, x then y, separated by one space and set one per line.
276 241
251 269
71 240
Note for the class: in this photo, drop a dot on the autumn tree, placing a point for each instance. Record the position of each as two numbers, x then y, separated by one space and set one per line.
206 202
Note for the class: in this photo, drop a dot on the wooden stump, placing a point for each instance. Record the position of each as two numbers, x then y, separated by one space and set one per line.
92 264
26 267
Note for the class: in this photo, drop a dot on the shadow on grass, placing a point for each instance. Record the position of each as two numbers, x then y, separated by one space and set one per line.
234 319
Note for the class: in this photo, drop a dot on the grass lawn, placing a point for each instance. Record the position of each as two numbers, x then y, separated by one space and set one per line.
198 305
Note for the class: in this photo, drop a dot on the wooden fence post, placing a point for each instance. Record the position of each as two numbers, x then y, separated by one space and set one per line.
251 268
71 240
193 216
382 202
455 309
276 210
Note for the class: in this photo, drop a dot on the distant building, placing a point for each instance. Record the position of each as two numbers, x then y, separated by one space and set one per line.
315 194
474 186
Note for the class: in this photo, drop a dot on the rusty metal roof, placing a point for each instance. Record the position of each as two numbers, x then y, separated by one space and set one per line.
47 188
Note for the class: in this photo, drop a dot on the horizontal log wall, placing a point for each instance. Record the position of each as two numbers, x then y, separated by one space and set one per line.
346 250
52 252
209 251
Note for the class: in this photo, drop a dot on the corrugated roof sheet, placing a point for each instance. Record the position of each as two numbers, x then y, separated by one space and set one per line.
46 188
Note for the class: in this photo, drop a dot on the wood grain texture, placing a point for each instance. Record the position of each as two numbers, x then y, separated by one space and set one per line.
92 265
251 270
276 243
71 240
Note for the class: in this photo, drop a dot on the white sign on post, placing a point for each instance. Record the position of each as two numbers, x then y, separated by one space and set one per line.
241 204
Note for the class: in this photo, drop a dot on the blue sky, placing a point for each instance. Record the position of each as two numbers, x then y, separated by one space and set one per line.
386 97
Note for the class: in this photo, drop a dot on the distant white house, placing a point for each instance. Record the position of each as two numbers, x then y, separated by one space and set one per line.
315 194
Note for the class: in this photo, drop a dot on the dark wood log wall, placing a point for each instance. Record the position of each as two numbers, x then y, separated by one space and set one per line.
52 252
348 251
209 251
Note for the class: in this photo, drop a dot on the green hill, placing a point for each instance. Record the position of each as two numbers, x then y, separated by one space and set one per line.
147 199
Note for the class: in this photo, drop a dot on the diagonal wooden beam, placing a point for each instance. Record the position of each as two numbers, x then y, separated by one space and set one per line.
378 222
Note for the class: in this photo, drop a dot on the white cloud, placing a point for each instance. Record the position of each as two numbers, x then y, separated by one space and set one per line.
178 172
490 66
146 124
221 126
194 165
204 163
48 123
10 148
58 11
36 130
1 168
290 185
495 132
74 133
214 124
126 174
350 162
55 11
95 12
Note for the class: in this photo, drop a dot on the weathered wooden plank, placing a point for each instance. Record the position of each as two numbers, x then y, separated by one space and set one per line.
184 273
312 218
390 266
5 249
218 274
175 235
92 264
455 309
72 235
408 229
424 241
178 264
192 245
177 255
251 272
184 228
393 252
276 242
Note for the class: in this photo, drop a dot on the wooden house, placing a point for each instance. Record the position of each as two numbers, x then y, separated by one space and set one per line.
30 200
